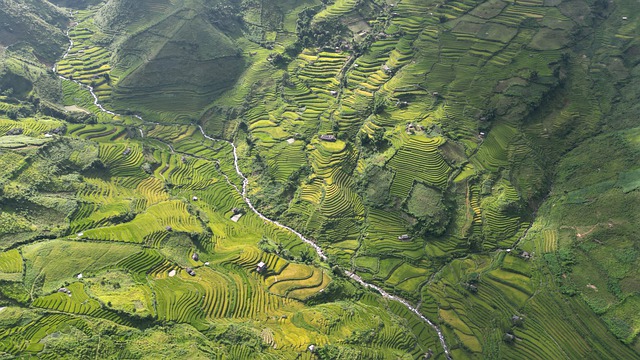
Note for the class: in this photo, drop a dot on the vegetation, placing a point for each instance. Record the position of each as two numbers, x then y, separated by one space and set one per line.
478 159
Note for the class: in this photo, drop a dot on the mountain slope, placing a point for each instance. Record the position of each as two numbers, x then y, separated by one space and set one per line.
178 64
36 25
478 159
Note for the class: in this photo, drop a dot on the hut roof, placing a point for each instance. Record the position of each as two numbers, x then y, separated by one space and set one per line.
328 137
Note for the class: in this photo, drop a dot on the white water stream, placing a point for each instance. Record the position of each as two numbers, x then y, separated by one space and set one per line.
243 193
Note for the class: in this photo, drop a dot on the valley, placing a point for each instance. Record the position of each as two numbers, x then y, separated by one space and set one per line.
321 180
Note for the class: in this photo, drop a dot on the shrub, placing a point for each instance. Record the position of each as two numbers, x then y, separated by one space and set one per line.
428 206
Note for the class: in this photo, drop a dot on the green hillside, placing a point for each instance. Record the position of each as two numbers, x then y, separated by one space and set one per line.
35 27
310 179
169 60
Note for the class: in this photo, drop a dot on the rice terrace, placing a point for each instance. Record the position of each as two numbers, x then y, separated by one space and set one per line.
319 179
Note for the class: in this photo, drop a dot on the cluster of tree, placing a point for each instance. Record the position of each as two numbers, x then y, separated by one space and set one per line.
225 15
236 334
430 209
322 34
373 185
560 264
273 189
269 246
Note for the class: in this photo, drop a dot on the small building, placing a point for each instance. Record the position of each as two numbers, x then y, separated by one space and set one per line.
262 267
333 93
525 255
195 256
59 130
508 337
15 131
328 137
126 151
195 198
404 237
311 348
386 69
64 290
168 228
236 211
516 320
236 217
183 159
190 271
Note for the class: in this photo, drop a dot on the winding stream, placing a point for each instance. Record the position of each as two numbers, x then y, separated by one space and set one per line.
243 193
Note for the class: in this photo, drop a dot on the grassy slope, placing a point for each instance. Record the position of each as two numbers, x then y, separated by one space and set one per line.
176 65
133 269
511 71
588 224
33 26
498 68
87 188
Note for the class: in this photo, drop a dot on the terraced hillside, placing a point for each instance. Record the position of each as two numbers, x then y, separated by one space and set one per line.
449 180
447 128
146 235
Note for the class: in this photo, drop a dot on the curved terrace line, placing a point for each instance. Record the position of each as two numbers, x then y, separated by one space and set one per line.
243 193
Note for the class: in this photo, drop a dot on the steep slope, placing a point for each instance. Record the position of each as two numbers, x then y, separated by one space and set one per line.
124 228
446 133
477 158
168 60
34 25
587 230
177 65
